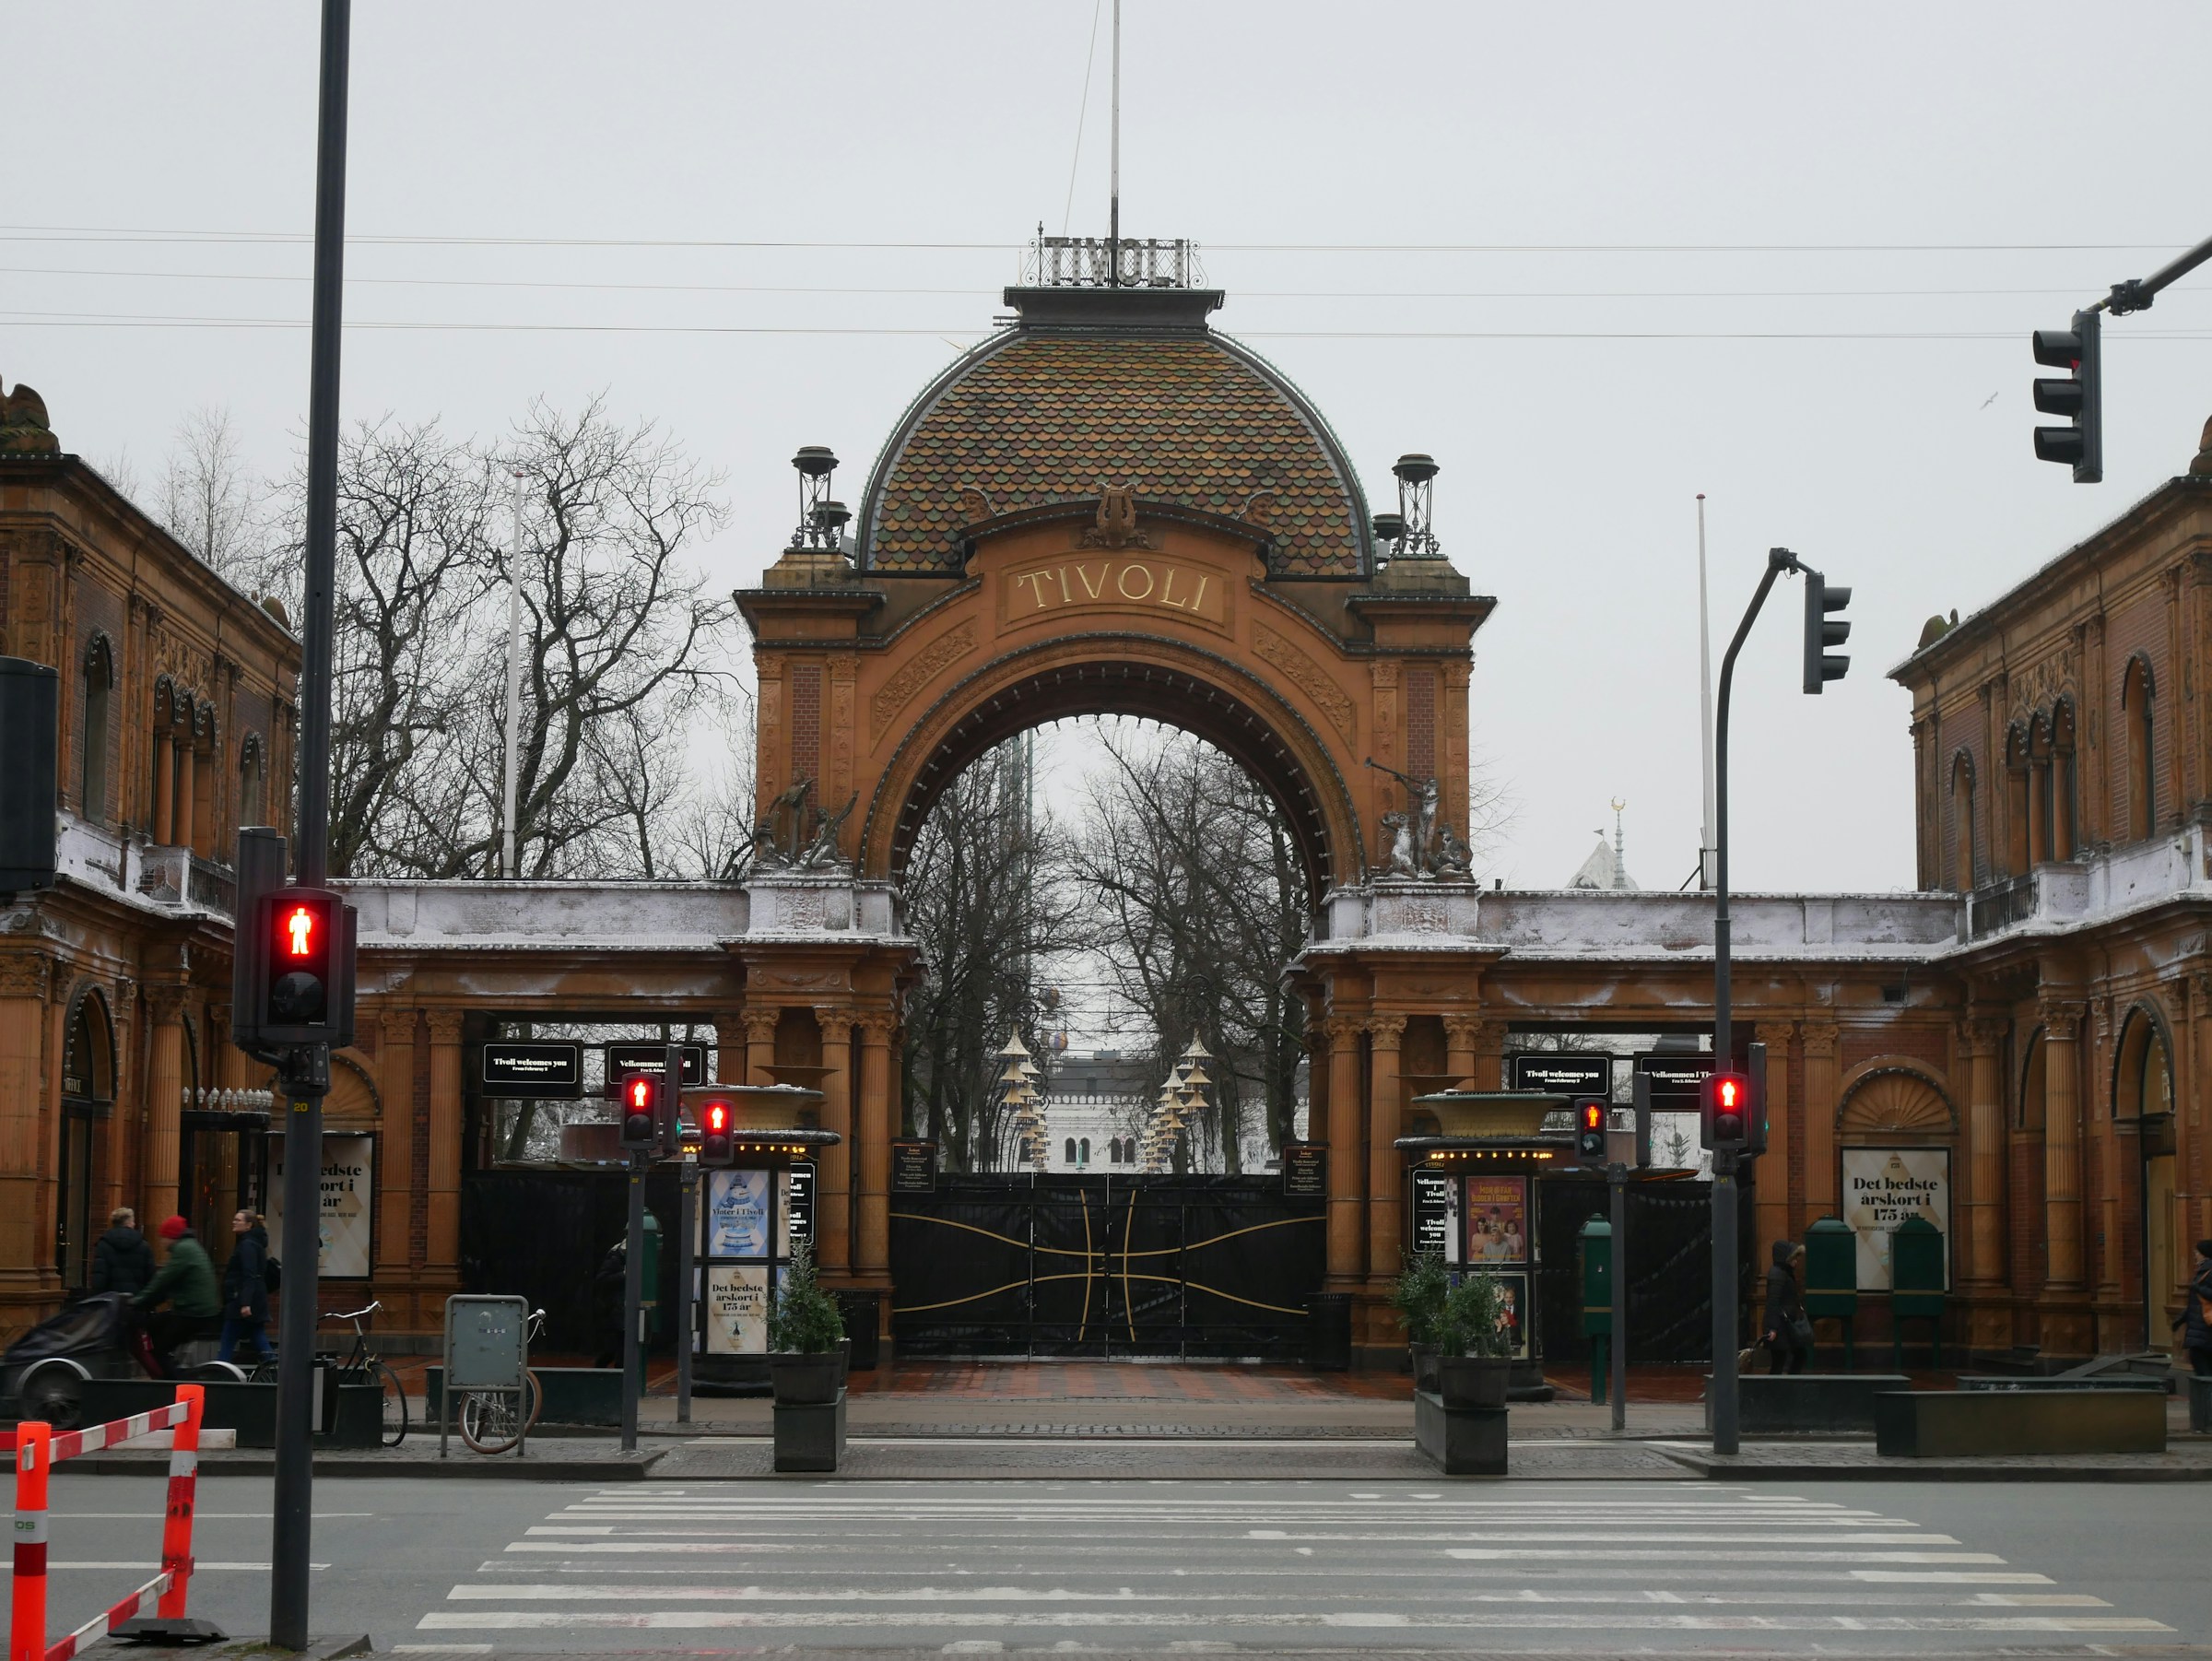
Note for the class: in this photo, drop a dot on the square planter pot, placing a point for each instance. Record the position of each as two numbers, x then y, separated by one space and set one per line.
806 1380
1469 1381
1425 1358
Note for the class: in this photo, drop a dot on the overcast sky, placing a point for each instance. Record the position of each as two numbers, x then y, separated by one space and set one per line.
1785 256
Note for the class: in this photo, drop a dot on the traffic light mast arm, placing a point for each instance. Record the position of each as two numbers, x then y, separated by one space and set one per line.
2137 292
1779 559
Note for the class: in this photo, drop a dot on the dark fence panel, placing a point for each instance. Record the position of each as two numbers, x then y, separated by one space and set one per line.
540 1235
1669 1261
1021 1264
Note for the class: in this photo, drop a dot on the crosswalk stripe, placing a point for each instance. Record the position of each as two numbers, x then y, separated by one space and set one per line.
541 1593
1500 1553
513 1620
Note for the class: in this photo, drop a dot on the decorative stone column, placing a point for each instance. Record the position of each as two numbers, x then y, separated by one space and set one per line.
2062 1144
873 1241
1474 1052
761 1045
394 1204
1316 1039
1347 1154
1771 1211
441 1266
1983 1043
2193 1077
729 1050
1821 1084
25 979
164 1102
833 1193
164 786
183 806
1385 1110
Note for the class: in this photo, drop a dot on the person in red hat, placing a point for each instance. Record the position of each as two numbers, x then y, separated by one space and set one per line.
196 1303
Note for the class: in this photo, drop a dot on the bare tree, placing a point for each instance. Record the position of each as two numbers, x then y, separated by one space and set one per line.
210 500
1198 898
986 897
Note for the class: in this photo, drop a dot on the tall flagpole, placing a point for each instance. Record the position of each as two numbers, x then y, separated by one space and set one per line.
514 678
1706 845
1114 212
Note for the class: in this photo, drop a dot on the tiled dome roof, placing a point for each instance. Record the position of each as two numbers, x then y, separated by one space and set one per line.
1039 416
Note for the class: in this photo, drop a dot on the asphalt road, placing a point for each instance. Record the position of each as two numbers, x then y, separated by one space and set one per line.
1574 1567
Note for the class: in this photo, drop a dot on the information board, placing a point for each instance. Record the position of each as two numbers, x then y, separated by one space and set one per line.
738 1213
347 1226
650 1058
1562 1072
1677 1077
737 1308
1496 1219
798 1202
532 1069
1435 1219
914 1167
1305 1171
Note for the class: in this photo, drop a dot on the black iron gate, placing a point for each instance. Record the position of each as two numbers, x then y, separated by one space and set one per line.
1669 1262
1104 1266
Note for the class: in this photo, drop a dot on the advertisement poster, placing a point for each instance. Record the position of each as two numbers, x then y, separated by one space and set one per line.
737 1309
1516 1311
348 1187
1882 1186
1435 1218
738 1213
1496 1219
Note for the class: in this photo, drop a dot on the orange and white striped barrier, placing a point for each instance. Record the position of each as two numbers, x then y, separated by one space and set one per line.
37 1451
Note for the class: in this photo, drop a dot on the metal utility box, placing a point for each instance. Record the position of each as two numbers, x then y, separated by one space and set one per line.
1596 1237
1831 1276
486 1350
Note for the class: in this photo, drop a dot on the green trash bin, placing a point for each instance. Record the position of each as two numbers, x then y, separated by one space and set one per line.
1831 1278
1916 1285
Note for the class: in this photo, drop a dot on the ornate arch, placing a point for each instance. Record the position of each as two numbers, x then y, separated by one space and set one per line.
99 654
2144 1031
354 1098
1121 673
1894 1095
88 1046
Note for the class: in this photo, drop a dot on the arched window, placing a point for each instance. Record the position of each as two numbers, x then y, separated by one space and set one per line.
1963 873
2041 796
2065 837
2136 694
2016 801
1070 1150
87 1096
252 783
2031 1115
100 680
1083 1151
200 832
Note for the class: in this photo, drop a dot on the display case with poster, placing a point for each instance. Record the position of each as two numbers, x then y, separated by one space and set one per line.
347 1226
1515 1286
1882 1186
1496 1219
745 1240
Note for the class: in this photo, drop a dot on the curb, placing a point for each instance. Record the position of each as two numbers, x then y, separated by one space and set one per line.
1917 1470
531 1468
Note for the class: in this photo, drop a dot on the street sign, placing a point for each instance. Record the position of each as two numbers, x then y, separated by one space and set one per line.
798 1201
1563 1072
1432 1212
652 1058
1305 1171
1677 1079
539 1070
914 1167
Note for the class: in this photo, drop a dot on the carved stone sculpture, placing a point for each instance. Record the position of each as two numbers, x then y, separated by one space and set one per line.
23 429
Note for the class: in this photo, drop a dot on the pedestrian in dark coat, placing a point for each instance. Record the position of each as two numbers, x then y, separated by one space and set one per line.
246 1288
608 1284
1785 1349
2195 1319
122 1261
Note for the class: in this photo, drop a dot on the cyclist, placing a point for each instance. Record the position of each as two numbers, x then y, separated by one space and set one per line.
195 1305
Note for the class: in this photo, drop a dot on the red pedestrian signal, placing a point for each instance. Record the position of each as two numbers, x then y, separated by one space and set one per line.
1726 1120
716 1150
640 1106
298 927
1592 1113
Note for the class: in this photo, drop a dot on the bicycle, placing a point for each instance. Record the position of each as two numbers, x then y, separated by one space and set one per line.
360 1367
489 1423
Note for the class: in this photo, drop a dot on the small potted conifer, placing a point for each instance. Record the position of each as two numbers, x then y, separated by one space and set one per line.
1418 1296
805 1359
1477 1342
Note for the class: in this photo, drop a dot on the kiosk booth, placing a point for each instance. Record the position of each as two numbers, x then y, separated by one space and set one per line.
1474 1195
749 1215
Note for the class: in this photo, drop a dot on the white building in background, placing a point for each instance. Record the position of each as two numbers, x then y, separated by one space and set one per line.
1096 1104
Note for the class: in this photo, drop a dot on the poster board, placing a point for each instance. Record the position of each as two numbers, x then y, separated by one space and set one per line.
740 1212
1882 1186
347 1226
1515 1286
736 1309
1436 1212
1497 1228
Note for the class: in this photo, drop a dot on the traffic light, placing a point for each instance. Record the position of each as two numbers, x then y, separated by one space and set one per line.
641 1112
1821 631
716 1151
1590 1115
30 703
299 946
1725 1121
2080 398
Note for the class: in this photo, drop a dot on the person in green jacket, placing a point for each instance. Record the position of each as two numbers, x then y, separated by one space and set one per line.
196 1302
